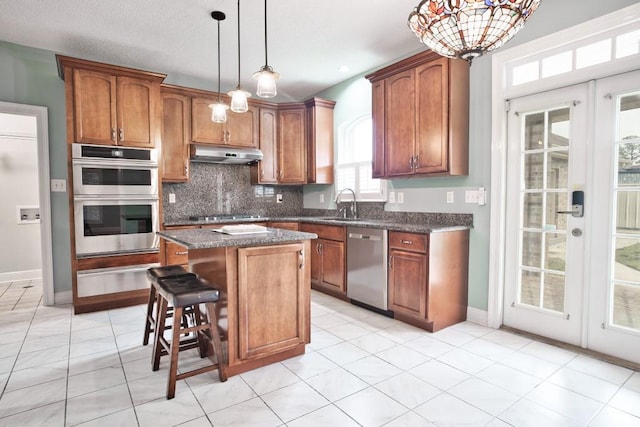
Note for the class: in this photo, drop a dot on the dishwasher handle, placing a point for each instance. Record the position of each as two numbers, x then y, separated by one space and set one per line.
364 237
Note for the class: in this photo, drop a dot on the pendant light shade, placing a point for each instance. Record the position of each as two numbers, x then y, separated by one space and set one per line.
219 109
239 96
468 28
265 75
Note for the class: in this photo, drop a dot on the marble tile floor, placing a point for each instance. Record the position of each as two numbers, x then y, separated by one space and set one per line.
57 369
20 294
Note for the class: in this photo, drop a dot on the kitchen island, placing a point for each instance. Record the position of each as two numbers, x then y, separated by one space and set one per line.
264 313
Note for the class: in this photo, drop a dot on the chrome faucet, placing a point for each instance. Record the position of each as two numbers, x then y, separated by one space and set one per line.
354 205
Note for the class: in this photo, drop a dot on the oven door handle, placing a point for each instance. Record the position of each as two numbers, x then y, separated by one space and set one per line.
116 164
116 198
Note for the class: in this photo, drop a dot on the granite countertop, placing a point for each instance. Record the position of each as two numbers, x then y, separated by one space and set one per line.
203 238
389 224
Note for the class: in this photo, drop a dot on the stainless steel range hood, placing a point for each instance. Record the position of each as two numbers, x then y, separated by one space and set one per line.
225 155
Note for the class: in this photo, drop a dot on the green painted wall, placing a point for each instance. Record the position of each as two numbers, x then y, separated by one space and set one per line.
29 76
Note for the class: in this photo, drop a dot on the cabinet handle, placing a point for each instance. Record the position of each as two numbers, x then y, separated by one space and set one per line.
407 242
411 162
186 169
391 262
182 253
113 134
415 161
301 256
121 135
262 174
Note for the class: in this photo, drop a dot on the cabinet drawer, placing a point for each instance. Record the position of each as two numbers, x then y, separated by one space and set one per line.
176 254
329 232
293 226
408 241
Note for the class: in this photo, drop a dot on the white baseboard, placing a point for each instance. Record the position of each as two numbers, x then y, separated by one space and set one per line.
478 316
14 276
60 298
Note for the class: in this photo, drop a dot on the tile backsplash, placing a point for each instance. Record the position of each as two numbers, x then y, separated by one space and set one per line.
216 189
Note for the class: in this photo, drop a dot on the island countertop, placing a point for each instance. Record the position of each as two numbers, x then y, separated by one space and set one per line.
202 238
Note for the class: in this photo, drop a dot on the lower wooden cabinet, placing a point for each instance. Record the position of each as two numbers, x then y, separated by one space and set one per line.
428 277
328 259
270 317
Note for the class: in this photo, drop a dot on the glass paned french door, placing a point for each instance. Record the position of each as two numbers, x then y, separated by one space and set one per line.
546 164
570 277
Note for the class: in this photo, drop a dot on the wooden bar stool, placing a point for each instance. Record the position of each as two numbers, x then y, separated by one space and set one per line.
183 293
154 274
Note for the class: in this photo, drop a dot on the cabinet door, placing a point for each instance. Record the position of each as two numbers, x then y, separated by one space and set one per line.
316 262
333 259
136 103
432 121
265 172
203 130
319 142
408 283
242 128
94 97
291 147
400 131
272 308
377 116
176 121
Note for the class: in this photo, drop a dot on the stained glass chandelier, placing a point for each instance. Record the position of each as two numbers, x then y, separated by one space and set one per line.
468 28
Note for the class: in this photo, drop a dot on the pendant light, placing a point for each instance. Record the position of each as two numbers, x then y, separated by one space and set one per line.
219 109
266 76
238 95
468 28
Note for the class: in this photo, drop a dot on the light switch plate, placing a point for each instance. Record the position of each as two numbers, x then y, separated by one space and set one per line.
278 198
58 185
321 198
172 198
392 196
449 196
400 197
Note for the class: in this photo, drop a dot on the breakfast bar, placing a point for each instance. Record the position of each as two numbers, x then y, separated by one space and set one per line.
265 278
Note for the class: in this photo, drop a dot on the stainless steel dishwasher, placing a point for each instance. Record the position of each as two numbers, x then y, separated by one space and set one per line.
367 267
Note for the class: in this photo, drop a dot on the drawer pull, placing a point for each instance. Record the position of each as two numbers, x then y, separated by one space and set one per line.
182 253
406 242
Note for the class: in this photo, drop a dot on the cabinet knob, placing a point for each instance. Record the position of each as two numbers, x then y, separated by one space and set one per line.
113 134
121 131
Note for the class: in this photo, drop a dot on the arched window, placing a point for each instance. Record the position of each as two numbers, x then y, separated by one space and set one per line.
353 160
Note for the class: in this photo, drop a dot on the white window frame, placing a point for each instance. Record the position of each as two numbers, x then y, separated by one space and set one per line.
361 195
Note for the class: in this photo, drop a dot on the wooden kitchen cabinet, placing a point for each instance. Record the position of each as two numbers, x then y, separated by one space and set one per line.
266 170
421 117
319 140
284 225
292 154
111 109
240 129
262 329
176 135
328 259
428 276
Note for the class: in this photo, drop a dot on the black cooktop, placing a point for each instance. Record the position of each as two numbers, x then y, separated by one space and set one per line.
218 217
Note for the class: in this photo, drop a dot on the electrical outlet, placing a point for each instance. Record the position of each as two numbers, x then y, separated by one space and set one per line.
400 197
278 198
58 185
482 196
392 196
321 197
449 196
172 198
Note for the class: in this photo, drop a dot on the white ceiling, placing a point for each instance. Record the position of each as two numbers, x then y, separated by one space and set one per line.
308 40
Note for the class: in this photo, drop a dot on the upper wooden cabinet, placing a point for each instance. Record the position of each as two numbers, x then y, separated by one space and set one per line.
111 105
266 170
292 154
319 141
421 117
240 130
176 135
